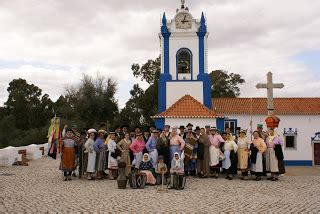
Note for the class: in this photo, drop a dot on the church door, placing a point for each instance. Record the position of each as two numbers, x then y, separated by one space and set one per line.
316 149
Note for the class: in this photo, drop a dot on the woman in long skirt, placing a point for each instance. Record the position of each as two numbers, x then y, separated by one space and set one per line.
68 148
137 148
163 148
230 148
124 147
273 142
215 151
112 161
91 166
102 152
176 143
243 154
258 147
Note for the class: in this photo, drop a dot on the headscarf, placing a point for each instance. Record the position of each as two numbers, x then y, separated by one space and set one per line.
146 154
177 162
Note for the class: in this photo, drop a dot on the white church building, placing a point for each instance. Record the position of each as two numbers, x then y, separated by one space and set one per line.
184 94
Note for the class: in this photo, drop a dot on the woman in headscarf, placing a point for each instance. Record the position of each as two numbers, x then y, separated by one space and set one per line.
274 154
163 148
146 167
177 165
230 149
258 147
68 154
124 147
91 166
112 161
137 148
243 154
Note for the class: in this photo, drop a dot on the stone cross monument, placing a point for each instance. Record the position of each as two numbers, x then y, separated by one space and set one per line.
270 86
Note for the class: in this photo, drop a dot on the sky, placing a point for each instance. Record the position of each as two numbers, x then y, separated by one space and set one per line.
52 43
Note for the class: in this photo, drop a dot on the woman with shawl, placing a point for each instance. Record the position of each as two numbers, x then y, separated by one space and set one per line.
146 167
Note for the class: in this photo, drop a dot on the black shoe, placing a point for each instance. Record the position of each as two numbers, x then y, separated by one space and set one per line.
65 178
274 179
270 178
258 178
229 178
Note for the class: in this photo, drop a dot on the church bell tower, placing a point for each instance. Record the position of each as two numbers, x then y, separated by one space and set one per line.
183 42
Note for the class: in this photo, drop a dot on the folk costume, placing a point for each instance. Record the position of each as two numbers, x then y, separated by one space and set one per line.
189 154
177 165
151 147
112 162
272 157
137 148
102 154
68 155
124 147
216 142
258 147
176 145
146 167
203 156
161 167
229 163
83 156
91 166
243 155
163 149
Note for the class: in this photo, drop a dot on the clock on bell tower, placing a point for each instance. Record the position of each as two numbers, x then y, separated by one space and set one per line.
183 42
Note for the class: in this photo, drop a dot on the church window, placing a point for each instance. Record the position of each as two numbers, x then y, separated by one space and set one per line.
231 124
184 60
290 138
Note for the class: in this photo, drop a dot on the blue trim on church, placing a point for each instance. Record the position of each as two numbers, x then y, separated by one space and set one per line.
203 76
165 76
159 123
298 162
220 124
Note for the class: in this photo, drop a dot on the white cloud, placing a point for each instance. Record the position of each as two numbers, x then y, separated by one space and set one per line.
249 37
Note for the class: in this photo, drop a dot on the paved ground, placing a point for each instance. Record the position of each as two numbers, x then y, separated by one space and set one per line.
39 188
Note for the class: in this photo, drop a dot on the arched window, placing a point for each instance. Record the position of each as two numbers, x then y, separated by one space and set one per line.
184 60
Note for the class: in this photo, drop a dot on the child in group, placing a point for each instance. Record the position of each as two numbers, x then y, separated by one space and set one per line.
161 168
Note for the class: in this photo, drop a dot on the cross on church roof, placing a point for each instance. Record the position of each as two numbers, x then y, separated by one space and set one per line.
182 4
270 86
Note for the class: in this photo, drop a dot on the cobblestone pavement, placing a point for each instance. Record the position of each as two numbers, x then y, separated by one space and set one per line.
39 188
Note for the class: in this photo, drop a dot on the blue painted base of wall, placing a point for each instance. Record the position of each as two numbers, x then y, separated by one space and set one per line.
220 124
298 162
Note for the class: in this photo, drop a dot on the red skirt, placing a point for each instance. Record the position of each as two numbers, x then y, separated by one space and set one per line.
68 159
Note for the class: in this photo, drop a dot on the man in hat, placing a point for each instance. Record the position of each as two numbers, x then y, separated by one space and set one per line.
189 126
181 129
167 130
207 129
197 132
151 147
189 152
146 135
262 133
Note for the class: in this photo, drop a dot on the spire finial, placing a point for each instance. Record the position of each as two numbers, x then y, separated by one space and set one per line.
203 20
182 4
164 19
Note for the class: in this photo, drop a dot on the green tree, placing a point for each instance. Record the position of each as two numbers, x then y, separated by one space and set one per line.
224 84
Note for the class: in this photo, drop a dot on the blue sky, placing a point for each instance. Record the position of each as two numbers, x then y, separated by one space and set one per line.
52 43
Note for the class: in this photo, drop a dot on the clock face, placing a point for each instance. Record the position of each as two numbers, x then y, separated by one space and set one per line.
183 21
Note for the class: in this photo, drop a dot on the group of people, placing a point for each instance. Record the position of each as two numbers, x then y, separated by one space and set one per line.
201 152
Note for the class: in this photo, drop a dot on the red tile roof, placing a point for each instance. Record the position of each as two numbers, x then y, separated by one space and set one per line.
187 107
282 106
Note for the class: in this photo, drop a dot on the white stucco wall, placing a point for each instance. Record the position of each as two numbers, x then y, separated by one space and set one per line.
176 90
307 126
196 122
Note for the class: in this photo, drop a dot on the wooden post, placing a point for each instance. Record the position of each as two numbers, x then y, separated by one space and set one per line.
24 159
